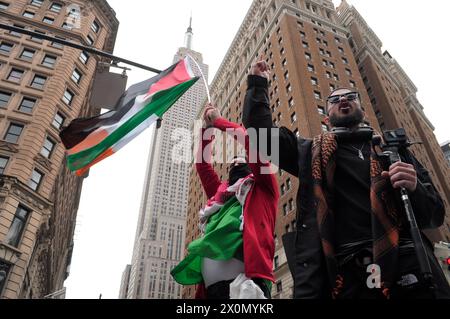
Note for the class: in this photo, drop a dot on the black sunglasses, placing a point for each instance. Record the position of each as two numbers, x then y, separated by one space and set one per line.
350 96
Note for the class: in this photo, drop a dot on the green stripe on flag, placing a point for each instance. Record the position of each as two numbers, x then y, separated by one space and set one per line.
221 241
160 103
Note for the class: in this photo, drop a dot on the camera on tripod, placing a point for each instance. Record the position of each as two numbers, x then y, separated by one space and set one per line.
396 138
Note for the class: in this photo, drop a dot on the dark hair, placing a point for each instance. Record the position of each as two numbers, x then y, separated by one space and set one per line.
341 88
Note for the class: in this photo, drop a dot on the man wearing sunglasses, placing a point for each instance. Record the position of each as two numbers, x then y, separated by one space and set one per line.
351 239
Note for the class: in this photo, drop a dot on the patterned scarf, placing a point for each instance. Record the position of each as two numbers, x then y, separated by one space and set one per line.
385 223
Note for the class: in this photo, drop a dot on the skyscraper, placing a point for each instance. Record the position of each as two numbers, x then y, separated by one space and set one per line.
160 233
312 49
43 86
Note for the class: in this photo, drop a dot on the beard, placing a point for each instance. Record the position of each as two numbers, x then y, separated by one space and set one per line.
237 172
349 120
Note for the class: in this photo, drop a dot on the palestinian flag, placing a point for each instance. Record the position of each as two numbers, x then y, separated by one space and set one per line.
90 140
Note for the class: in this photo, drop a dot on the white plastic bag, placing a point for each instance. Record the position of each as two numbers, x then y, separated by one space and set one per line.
245 288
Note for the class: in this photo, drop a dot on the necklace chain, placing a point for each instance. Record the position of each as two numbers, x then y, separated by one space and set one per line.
360 153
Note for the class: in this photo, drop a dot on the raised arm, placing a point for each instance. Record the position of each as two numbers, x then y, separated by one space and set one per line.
259 167
257 115
209 178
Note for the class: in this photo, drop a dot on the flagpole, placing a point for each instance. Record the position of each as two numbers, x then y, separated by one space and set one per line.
203 77
76 46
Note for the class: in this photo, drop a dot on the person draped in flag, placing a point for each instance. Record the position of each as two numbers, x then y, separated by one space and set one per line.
234 255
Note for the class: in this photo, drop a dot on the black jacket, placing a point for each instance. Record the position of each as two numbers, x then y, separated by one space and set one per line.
303 246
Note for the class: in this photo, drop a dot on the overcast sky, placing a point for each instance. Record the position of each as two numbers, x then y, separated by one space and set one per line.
150 33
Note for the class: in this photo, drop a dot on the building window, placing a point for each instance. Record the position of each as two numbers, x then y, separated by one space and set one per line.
4 98
90 41
328 54
296 132
276 262
15 75
302 34
324 62
310 68
348 72
48 147
328 74
14 33
48 20
288 88
321 110
288 184
67 26
35 180
49 61
341 50
38 82
5 47
352 84
325 43
314 81
291 102
58 121
84 57
285 209
27 54
317 95
3 163
332 87
291 204
76 76
27 105
324 127
28 14
68 97
3 6
336 77
308 56
331 65
4 271
293 118
37 3
13 133
283 189
36 39
279 286
305 44
17 226
95 26
284 62
56 7
322 51
344 60
56 44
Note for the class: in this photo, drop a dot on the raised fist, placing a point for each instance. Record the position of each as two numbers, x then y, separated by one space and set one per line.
260 68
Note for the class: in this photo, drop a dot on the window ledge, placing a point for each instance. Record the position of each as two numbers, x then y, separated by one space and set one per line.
9 253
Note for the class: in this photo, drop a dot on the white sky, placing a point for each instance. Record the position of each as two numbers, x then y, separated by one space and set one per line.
150 33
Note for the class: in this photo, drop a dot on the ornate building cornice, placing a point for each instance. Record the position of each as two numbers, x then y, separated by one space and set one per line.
11 186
